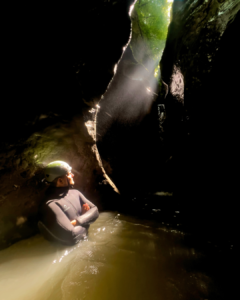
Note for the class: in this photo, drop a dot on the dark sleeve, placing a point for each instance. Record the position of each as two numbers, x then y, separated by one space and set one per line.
57 224
91 215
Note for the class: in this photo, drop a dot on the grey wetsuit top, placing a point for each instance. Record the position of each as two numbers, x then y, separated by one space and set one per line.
61 206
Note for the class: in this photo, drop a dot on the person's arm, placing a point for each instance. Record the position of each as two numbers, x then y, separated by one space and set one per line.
59 226
89 216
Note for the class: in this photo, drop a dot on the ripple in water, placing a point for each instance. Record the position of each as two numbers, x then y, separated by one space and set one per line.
122 258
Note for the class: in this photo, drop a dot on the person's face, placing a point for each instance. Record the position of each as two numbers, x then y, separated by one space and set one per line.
70 176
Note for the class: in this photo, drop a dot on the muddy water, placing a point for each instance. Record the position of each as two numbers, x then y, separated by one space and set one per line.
123 258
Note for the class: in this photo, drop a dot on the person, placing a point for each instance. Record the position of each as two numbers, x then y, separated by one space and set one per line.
65 214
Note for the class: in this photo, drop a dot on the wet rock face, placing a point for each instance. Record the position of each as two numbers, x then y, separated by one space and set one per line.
199 66
198 127
187 66
57 62
127 128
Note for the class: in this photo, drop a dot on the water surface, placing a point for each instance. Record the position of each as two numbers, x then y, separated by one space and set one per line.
123 258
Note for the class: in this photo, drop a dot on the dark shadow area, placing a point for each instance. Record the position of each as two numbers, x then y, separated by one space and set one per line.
57 60
205 180
127 129
54 54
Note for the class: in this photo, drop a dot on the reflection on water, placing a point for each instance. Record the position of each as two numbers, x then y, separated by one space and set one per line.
121 259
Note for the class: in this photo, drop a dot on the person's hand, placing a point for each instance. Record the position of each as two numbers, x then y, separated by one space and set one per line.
85 208
74 222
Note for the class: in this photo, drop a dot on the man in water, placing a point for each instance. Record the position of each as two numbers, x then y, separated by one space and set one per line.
66 214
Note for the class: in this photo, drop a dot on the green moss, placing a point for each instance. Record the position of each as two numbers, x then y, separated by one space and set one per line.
150 19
